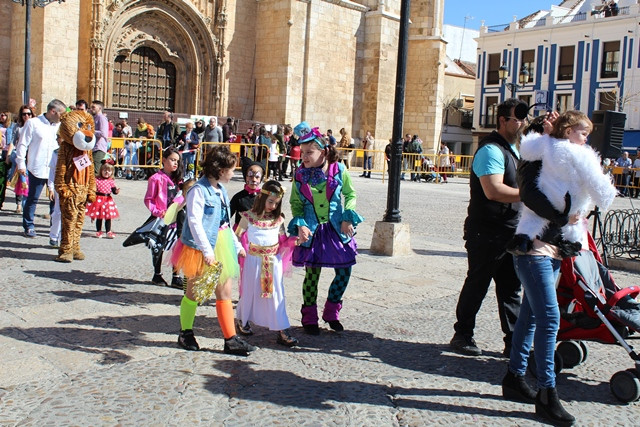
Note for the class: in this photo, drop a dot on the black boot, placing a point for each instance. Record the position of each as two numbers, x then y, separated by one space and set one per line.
549 407
515 388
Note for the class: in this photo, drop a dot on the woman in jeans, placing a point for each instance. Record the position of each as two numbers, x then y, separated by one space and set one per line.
537 265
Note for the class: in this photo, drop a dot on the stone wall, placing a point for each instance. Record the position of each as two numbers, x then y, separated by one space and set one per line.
6 13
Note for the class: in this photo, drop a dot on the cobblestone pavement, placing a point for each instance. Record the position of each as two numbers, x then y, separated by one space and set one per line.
94 343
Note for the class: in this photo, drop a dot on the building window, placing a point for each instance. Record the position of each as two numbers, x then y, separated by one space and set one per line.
491 111
525 98
607 101
565 63
610 59
564 102
528 57
493 64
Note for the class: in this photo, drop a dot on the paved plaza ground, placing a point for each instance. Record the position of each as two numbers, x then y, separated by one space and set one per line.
94 343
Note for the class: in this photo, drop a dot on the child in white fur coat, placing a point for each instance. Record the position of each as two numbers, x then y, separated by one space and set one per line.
568 166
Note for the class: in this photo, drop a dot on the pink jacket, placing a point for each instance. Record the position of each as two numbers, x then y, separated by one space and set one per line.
156 198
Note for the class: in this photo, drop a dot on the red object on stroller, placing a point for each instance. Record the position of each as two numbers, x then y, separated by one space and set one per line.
591 306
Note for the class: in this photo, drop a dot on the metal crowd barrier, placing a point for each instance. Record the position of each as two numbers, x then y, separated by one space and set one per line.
621 233
136 157
618 176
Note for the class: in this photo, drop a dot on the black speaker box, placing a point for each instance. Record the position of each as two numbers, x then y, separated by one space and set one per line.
608 132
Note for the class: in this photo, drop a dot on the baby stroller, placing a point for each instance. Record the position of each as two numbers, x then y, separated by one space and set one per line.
593 308
149 155
428 172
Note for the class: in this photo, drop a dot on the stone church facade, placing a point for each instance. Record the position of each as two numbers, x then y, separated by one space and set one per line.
330 62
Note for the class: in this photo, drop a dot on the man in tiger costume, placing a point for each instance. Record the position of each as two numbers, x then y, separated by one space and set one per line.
74 180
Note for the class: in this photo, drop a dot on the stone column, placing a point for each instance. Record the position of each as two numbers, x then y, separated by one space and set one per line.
425 73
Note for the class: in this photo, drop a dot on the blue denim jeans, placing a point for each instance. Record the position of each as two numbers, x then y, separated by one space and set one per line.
367 163
35 189
539 317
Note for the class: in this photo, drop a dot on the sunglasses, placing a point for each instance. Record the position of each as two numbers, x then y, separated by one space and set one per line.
26 113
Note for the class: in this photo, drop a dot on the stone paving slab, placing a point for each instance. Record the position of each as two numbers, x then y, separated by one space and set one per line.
93 343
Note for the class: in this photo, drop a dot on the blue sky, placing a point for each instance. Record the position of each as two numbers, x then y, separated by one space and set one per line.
493 12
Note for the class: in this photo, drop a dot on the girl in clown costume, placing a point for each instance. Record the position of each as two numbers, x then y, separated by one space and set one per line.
325 228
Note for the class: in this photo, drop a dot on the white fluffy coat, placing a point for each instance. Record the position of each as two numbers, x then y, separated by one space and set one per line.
566 167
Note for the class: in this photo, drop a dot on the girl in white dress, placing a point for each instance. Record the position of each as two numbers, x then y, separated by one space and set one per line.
261 231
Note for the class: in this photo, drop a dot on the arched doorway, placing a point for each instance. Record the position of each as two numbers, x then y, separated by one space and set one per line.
142 81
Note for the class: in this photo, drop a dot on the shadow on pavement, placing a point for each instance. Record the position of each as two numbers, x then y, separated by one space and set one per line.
119 297
26 254
288 389
426 252
79 277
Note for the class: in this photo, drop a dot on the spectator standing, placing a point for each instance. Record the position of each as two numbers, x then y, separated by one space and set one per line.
622 180
345 145
490 225
199 129
141 129
332 139
227 130
282 149
168 131
415 147
444 161
405 159
368 144
213 132
127 132
101 134
39 137
188 142
387 154
82 105
636 176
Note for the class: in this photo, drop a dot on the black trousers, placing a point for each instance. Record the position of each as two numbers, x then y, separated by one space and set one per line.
488 260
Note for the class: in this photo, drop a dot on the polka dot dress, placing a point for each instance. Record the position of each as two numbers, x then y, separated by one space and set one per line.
104 207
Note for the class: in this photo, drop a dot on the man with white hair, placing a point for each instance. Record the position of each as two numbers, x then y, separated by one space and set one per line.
213 132
39 138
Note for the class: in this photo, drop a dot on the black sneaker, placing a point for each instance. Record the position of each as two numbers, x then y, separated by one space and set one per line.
177 283
187 341
158 280
464 345
243 329
238 346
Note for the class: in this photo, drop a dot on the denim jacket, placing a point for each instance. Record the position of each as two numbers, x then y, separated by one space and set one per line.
212 214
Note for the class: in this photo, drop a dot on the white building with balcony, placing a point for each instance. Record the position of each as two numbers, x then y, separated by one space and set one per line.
581 54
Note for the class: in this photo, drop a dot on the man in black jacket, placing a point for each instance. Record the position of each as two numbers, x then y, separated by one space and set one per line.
168 131
490 224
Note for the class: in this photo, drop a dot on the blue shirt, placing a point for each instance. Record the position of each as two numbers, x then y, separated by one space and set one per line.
489 160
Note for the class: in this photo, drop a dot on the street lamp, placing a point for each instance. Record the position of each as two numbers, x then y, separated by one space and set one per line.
27 40
523 78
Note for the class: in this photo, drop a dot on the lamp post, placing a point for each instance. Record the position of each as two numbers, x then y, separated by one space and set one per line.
27 40
523 78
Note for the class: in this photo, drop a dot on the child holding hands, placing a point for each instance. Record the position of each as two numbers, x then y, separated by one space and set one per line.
206 239
262 232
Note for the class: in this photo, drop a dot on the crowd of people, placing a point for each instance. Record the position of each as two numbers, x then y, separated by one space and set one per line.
524 217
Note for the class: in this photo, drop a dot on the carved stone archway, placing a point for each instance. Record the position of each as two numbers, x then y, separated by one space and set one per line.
178 32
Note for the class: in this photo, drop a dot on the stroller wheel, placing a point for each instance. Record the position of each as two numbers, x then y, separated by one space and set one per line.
557 362
625 386
585 351
571 353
